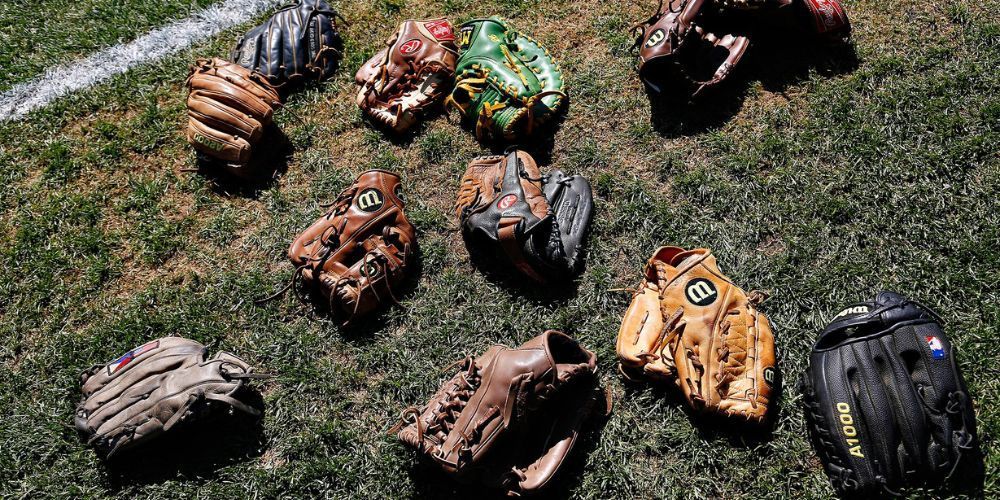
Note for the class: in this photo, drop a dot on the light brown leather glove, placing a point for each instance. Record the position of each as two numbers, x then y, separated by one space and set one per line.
688 323
228 109
509 418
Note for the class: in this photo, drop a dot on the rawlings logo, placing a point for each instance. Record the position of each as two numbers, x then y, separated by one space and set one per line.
656 38
847 427
507 202
828 13
247 53
440 29
410 46
370 200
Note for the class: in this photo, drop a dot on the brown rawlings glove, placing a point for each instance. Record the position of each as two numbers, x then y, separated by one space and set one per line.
508 418
151 388
228 110
356 254
414 71
673 48
689 324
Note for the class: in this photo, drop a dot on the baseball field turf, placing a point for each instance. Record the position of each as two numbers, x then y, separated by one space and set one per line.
819 177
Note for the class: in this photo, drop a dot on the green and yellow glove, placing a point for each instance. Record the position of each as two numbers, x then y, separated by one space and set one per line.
506 83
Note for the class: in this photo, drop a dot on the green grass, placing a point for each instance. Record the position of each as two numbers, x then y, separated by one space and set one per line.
38 34
818 186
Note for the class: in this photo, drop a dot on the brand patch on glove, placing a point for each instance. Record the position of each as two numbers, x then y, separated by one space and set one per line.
209 143
828 13
466 36
656 38
130 356
506 202
851 311
769 374
937 348
410 46
441 29
370 200
701 292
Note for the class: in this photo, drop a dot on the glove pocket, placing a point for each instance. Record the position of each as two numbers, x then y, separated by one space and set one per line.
640 336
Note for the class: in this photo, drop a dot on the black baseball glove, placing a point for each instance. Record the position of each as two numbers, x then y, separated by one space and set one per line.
885 403
298 42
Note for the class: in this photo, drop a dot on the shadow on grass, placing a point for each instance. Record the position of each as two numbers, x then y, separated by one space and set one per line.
773 60
711 427
520 286
269 161
195 450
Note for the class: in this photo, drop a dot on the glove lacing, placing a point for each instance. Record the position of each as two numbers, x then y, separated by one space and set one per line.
331 233
443 418
373 265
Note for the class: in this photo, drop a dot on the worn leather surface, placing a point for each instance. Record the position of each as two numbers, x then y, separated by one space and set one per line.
150 389
508 418
357 254
298 42
228 108
885 401
414 71
514 216
689 324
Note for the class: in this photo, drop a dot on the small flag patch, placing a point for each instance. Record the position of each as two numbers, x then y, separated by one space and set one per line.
130 356
937 348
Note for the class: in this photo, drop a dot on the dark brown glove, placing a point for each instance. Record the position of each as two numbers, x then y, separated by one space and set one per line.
674 49
359 252
824 20
508 418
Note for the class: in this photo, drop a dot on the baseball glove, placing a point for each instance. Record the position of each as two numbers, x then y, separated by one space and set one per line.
506 83
413 72
510 213
298 42
885 401
825 20
508 418
688 323
673 48
359 252
229 109
154 387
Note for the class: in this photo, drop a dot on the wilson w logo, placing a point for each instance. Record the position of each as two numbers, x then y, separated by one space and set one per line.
701 292
370 200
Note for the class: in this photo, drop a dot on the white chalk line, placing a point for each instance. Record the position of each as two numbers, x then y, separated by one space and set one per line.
104 64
